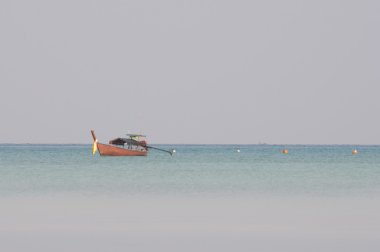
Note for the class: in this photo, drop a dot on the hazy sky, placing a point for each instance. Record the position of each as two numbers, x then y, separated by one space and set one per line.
190 71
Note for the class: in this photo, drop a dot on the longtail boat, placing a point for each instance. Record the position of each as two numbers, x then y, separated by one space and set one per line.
134 145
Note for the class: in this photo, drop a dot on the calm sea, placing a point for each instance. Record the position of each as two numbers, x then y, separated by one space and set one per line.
194 169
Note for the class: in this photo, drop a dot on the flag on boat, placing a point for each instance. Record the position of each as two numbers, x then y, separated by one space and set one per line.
94 147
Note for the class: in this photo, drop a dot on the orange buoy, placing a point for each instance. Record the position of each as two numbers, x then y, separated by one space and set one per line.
354 152
285 151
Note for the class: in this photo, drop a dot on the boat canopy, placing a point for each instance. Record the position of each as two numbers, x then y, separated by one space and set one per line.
129 141
118 141
135 135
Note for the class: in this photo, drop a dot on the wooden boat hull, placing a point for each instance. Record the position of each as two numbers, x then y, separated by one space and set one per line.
109 150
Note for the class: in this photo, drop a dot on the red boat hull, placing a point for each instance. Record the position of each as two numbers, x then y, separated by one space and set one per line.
109 150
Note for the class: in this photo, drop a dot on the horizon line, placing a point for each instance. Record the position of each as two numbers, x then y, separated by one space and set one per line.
270 144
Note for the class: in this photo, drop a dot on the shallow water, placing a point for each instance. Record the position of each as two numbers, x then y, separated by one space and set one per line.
192 170
204 198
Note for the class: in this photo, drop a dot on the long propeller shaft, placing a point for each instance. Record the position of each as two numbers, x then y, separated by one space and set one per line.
151 147
135 142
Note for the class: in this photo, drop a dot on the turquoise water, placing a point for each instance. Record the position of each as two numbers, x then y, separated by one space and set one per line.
194 169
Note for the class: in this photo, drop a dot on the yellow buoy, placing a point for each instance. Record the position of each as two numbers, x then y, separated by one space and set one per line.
354 152
285 151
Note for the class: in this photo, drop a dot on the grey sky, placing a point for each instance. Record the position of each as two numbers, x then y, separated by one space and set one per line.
190 71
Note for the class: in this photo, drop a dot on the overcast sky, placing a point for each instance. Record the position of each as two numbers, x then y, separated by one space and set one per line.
190 71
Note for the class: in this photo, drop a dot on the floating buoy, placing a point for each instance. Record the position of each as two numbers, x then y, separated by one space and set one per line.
238 150
174 151
354 152
285 151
